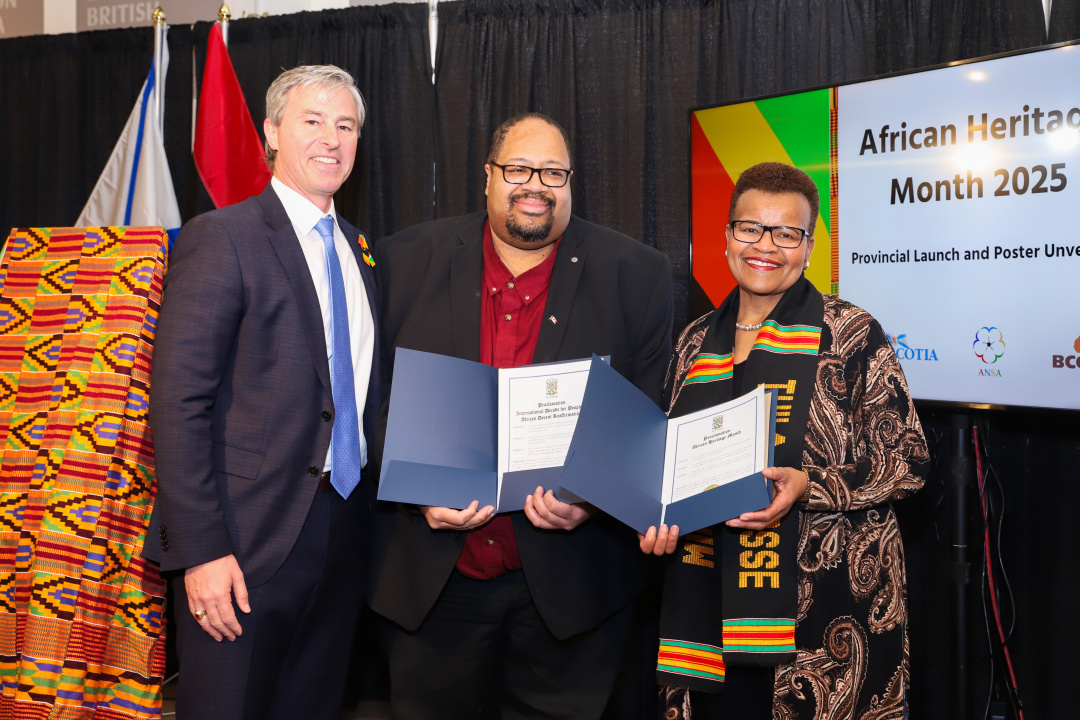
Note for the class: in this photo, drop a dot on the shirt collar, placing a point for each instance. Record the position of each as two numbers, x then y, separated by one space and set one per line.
529 284
302 212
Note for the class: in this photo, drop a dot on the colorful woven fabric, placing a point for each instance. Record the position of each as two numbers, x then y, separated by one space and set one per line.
799 339
81 613
708 368
759 635
687 658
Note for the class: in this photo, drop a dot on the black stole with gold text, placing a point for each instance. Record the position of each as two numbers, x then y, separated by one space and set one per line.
729 594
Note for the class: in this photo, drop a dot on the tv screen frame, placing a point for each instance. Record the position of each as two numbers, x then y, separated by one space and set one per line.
951 275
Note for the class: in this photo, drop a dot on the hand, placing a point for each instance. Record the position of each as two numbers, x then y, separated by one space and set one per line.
211 588
547 513
659 542
441 518
789 484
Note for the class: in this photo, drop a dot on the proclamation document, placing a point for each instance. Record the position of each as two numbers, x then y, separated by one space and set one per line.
711 447
538 411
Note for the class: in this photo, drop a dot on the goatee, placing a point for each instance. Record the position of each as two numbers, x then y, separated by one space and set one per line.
532 233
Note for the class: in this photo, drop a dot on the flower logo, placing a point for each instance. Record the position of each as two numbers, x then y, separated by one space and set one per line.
989 344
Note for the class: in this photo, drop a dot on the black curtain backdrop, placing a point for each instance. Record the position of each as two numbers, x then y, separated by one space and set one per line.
64 102
387 49
66 99
620 75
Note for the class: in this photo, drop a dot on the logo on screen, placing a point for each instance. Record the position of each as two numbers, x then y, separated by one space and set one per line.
1068 361
989 345
906 352
718 422
552 387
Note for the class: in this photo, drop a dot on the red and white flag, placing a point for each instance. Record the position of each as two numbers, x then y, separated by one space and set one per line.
228 154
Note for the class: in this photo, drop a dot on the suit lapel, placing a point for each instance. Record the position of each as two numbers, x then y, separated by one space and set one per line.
283 239
565 276
374 395
466 275
352 236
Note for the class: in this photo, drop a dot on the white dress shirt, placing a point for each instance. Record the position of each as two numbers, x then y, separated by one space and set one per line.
304 215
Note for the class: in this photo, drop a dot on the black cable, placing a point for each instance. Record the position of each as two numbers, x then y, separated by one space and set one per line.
986 496
984 587
1000 560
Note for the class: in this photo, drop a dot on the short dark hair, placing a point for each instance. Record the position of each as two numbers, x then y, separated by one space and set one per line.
775 178
501 132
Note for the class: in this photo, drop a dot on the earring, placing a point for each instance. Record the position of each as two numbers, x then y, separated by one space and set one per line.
725 253
806 265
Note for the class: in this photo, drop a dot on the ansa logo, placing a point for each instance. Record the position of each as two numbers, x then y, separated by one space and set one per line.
906 352
989 346
1069 361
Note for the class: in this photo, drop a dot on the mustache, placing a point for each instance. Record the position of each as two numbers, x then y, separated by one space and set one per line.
532 195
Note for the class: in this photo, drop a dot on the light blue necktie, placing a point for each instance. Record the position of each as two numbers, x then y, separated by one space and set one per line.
345 440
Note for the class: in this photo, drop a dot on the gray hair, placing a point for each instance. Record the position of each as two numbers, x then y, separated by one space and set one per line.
328 78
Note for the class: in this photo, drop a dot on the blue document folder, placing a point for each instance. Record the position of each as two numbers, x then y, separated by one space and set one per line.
441 438
616 461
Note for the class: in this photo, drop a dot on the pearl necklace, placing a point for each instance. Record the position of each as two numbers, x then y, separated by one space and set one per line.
740 326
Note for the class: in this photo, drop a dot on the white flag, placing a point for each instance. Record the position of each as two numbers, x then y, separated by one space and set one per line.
136 189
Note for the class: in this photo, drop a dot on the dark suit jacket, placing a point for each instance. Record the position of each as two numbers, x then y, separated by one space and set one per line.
609 295
240 400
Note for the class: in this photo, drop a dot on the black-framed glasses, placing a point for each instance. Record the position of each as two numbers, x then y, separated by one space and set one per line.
783 236
521 174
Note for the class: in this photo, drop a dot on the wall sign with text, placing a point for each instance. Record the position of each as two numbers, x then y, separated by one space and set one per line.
949 201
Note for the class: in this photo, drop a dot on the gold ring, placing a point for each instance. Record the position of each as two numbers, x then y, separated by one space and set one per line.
199 615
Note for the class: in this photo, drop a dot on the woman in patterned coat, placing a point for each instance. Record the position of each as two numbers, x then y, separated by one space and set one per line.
797 610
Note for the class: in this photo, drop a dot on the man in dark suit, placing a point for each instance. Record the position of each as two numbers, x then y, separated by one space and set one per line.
521 615
264 356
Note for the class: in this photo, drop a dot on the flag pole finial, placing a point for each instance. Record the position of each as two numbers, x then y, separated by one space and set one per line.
224 13
159 16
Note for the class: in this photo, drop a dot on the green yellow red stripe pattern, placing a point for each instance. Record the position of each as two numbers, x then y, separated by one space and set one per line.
759 635
788 339
709 368
834 188
797 129
687 658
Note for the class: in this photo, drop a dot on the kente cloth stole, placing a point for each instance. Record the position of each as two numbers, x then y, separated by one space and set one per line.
730 596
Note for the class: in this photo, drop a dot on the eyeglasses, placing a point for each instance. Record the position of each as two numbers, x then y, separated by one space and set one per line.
521 174
782 235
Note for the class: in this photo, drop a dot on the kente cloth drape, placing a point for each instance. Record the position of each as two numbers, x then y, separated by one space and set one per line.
81 613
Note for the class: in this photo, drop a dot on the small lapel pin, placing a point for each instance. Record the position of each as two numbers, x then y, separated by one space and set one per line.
553 320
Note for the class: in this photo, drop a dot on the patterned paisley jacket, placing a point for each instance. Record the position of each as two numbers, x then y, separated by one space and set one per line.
864 449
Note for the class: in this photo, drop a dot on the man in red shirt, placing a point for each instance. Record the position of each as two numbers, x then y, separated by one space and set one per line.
519 615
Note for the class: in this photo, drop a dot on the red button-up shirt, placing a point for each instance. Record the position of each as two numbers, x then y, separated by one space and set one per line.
511 312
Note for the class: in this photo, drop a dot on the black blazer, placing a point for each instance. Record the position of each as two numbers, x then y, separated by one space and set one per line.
240 399
609 295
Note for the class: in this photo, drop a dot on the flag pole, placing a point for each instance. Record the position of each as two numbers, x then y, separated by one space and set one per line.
224 14
159 79
433 32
